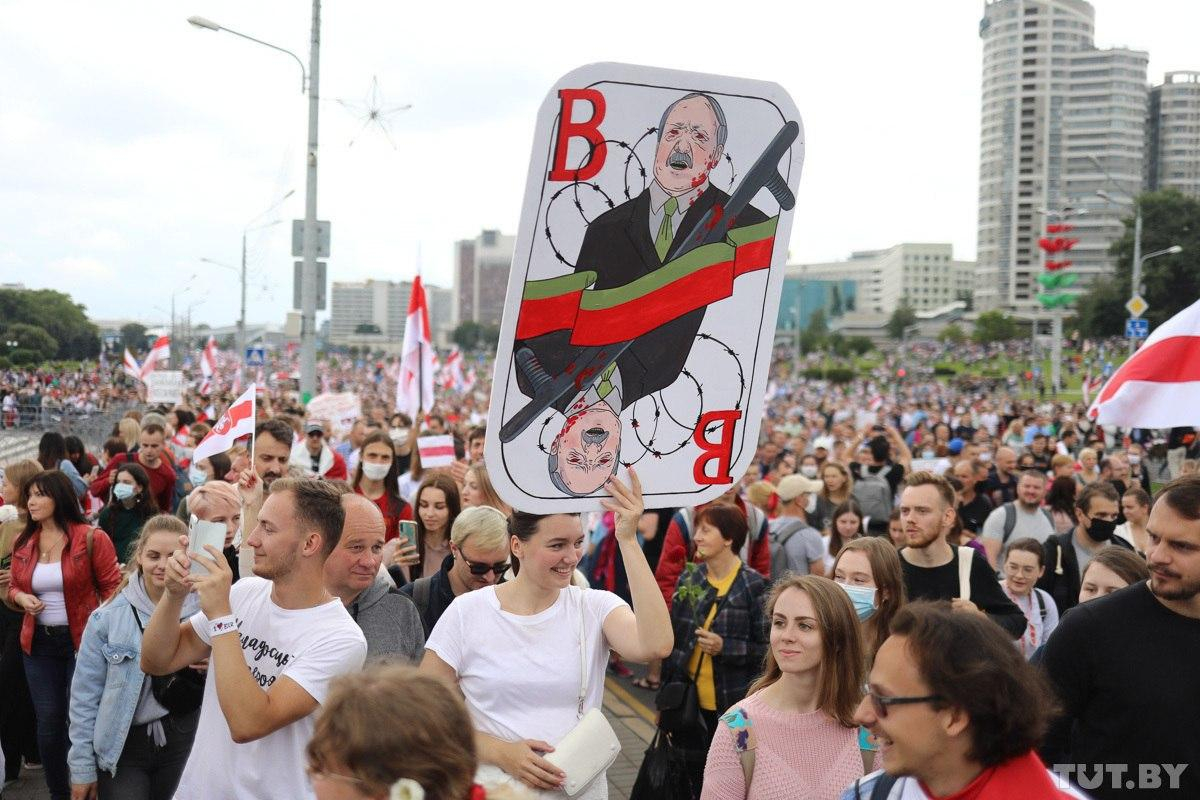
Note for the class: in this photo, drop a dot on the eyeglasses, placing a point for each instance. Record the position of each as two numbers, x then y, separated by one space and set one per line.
880 703
483 568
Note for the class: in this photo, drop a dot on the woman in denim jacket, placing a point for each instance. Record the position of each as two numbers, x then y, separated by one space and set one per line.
124 744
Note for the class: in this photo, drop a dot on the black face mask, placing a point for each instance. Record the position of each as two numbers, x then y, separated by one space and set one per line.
1101 530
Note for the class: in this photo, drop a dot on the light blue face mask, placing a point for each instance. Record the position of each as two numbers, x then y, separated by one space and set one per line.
122 491
863 598
196 476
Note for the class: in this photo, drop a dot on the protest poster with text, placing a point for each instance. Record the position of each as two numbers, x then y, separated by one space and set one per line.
644 288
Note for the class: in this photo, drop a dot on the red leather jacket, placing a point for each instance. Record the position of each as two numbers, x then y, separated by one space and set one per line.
86 582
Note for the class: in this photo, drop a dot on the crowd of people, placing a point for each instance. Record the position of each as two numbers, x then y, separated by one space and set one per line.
917 590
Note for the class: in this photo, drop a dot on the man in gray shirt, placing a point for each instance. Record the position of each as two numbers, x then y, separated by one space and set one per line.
388 619
795 545
1027 515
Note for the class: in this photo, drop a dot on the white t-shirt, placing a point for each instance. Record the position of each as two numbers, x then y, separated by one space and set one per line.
520 675
310 646
47 585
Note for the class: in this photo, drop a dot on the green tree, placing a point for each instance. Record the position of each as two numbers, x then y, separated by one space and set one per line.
859 345
815 333
952 334
58 315
837 344
1172 282
466 335
966 296
31 338
995 326
133 337
902 318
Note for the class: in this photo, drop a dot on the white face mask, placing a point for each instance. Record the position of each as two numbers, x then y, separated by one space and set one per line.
809 470
811 505
376 472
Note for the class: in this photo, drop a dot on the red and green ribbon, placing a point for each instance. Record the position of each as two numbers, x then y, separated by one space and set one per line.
599 317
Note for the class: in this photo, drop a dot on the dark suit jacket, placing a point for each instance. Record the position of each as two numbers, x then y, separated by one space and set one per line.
619 249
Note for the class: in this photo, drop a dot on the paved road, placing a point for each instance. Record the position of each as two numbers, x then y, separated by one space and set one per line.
628 710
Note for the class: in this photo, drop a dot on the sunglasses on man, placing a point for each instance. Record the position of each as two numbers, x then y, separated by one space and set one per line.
483 568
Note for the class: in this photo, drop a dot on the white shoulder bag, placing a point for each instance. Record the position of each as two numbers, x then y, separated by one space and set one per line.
591 746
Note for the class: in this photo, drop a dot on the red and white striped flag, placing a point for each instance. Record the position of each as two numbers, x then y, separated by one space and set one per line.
208 366
132 368
161 351
414 389
1159 386
454 370
236 422
1090 386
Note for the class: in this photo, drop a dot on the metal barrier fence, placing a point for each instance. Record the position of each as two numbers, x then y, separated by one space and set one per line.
92 427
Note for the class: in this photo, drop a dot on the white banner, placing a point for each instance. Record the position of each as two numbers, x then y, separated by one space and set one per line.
164 386
338 409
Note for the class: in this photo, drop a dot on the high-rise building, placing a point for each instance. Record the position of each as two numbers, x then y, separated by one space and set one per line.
1173 134
1060 121
441 314
481 277
924 274
369 313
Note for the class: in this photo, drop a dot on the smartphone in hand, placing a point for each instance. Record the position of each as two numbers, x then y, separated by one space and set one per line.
201 533
408 534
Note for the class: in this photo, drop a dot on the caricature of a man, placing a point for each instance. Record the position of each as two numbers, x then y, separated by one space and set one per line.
621 245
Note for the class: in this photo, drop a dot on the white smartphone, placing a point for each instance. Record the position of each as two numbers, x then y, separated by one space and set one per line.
201 533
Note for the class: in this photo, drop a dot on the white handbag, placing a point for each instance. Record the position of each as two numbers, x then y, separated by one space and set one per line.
591 746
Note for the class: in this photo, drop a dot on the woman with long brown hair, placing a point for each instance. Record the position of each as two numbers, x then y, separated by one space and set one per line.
477 490
377 478
62 569
797 717
869 570
437 504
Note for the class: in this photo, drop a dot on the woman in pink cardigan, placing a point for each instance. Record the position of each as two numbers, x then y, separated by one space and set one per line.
793 737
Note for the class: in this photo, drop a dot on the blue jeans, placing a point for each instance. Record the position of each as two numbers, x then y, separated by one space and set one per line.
48 671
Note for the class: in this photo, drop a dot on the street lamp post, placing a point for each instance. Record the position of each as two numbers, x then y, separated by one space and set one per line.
241 326
308 272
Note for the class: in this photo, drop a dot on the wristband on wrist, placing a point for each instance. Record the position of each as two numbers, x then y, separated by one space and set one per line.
221 625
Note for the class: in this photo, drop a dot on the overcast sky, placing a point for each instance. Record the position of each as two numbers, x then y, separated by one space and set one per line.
132 144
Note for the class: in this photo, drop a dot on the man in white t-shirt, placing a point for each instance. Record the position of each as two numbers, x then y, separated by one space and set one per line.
274 642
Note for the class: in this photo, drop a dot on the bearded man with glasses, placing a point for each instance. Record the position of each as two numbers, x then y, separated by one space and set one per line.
479 556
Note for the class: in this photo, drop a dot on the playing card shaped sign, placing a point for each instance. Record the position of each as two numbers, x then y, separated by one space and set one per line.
645 283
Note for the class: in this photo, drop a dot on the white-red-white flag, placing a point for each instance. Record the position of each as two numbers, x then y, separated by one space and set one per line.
236 422
454 371
208 366
161 351
132 368
414 389
1159 386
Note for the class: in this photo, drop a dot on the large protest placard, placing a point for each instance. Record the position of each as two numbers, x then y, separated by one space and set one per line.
164 386
339 409
644 288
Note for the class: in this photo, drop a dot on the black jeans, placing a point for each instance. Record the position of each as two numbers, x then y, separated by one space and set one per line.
49 670
17 736
145 771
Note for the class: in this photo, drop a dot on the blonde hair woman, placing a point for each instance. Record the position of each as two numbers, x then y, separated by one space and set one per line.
128 429
799 716
125 740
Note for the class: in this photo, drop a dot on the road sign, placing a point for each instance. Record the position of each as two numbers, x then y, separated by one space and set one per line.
297 269
255 356
1136 328
322 238
1136 306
